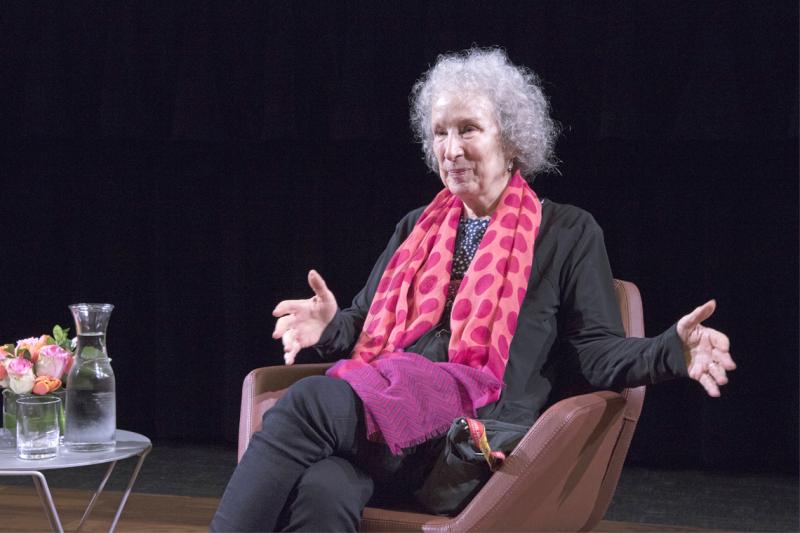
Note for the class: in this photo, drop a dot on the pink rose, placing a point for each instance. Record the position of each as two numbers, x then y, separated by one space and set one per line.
18 366
20 375
53 361
33 345
4 356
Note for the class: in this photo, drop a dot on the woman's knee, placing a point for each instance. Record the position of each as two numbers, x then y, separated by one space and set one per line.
315 396
316 410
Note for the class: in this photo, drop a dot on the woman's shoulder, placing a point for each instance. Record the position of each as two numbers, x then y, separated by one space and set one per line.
567 216
407 222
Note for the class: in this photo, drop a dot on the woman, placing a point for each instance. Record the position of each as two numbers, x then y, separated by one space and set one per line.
481 301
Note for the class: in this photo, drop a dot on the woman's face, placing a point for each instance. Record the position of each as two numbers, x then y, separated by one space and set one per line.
467 145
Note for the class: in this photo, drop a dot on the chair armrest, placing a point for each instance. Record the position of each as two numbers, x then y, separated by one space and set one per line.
261 389
551 480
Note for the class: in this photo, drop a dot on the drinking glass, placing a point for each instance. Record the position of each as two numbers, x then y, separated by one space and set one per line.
37 427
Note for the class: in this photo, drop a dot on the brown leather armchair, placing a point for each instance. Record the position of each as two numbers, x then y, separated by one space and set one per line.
560 477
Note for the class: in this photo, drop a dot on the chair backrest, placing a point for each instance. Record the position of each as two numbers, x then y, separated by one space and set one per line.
630 306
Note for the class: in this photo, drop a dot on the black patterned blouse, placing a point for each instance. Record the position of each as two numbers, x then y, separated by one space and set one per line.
468 238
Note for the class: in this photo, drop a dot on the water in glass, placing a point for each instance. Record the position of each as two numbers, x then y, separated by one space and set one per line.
38 444
37 427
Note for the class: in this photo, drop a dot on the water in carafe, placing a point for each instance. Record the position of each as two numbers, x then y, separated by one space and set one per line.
91 400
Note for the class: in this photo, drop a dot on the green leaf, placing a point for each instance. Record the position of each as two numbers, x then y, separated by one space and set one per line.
60 334
90 352
61 337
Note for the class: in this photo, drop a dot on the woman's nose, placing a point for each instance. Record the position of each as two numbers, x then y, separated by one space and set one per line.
452 147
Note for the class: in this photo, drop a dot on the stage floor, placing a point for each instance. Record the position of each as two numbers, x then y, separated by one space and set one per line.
158 513
180 484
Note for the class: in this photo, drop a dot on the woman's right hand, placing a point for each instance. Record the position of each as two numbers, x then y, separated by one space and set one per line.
302 322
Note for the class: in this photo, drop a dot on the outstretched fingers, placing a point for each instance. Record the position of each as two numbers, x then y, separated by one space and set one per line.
696 317
712 361
291 346
707 351
724 359
717 373
282 325
720 349
289 306
301 322
709 385
318 285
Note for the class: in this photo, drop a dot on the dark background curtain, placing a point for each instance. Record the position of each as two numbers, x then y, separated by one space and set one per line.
190 161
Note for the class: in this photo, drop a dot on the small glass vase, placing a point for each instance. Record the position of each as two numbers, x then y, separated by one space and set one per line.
10 409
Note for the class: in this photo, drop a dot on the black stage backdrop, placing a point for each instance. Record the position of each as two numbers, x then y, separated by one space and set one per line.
190 161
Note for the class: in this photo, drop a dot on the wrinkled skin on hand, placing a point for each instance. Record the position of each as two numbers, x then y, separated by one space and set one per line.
301 322
706 350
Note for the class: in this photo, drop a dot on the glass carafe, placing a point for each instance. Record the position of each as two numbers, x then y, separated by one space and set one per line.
91 402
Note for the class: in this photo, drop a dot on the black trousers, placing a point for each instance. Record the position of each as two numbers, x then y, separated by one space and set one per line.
311 468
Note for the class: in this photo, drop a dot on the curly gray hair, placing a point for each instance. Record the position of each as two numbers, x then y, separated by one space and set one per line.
521 108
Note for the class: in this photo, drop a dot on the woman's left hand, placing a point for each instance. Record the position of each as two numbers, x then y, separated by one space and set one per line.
706 350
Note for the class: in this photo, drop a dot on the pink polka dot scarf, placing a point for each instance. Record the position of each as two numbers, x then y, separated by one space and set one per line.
407 398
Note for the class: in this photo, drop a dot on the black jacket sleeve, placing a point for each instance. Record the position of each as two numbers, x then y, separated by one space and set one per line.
591 326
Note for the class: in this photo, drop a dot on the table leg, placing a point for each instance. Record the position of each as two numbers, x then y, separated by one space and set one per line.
128 489
43 489
40 482
47 500
96 495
